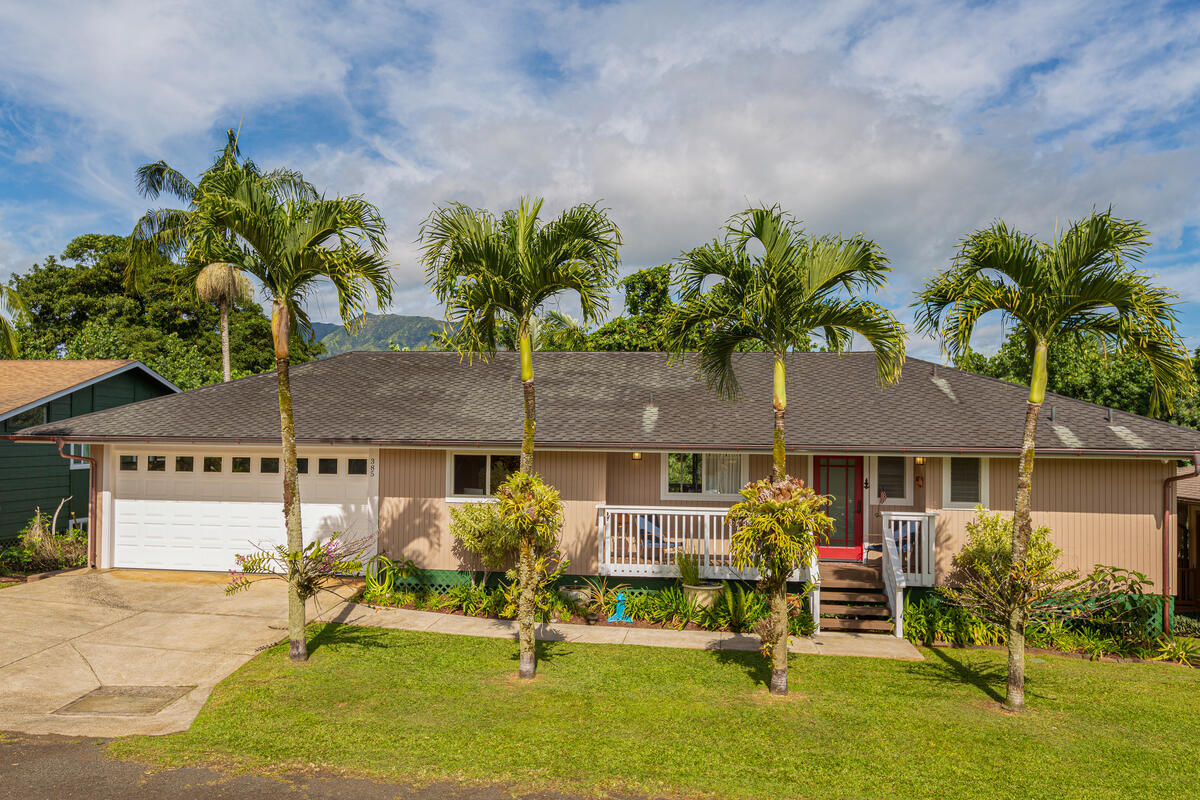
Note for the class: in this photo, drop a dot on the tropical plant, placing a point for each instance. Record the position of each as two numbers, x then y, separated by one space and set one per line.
776 529
1184 625
1183 651
1078 286
736 609
291 245
532 510
689 567
552 331
487 270
481 529
40 546
307 571
12 310
988 586
671 607
223 285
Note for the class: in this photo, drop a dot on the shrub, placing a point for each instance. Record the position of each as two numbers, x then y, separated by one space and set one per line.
689 568
482 530
1184 625
39 548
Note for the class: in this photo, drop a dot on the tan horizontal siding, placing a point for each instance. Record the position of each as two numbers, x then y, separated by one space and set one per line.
1099 511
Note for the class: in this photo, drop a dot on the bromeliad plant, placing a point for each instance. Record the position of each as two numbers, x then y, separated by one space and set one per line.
776 530
307 572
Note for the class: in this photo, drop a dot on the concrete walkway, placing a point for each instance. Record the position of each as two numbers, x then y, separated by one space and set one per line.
868 645
121 652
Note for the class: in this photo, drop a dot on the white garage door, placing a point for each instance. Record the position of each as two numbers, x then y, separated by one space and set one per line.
179 508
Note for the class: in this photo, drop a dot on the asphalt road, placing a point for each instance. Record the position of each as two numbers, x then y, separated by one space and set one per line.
64 768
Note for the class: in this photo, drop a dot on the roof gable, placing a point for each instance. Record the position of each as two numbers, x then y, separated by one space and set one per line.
26 384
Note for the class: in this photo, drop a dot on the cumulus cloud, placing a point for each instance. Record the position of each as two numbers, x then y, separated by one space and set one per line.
915 122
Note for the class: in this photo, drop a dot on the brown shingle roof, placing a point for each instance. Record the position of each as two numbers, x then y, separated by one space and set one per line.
1189 488
25 382
603 400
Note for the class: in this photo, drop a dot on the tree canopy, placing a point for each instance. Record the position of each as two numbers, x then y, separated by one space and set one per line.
81 307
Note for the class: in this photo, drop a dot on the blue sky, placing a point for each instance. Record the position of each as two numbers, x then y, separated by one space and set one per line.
915 122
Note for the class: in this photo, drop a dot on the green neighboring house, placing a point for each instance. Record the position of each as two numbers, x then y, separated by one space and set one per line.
36 392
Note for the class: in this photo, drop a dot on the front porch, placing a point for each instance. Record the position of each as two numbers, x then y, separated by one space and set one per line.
848 595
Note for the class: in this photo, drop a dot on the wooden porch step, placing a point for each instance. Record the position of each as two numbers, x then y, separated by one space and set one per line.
855 625
848 610
851 596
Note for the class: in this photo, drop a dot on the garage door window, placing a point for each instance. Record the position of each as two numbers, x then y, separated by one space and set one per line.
156 463
268 466
184 463
302 466
129 463
356 466
327 466
240 464
212 463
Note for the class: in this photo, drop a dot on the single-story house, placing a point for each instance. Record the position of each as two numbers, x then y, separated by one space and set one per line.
36 392
646 459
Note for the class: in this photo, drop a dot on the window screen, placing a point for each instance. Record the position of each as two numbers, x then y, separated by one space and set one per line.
890 474
964 480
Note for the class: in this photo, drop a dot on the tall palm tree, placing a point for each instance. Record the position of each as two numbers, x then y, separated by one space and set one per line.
553 330
775 300
223 284
291 245
1078 285
12 309
489 269
165 236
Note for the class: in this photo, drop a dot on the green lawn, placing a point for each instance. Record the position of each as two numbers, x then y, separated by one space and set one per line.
417 707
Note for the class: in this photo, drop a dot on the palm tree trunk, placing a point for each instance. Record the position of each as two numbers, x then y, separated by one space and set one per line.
527 601
778 594
280 324
778 452
225 368
1014 695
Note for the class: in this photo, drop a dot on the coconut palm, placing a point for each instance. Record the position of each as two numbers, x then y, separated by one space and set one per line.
1079 285
489 270
775 300
12 309
291 246
223 284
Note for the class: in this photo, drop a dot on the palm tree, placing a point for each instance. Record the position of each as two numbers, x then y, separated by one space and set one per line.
488 270
12 309
1077 286
291 245
774 301
223 284
553 331
166 236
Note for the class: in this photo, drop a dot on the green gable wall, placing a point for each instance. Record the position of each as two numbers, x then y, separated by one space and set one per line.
33 475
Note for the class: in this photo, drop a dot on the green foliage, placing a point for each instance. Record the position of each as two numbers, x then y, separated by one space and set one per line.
1183 651
547 570
798 286
736 609
527 506
84 310
777 527
1086 370
672 608
1183 625
481 529
308 571
380 332
689 568
39 548
987 583
1077 287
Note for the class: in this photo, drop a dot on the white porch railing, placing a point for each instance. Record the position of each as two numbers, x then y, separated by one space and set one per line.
912 533
641 541
907 558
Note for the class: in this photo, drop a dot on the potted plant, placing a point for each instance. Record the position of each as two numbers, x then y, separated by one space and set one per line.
704 595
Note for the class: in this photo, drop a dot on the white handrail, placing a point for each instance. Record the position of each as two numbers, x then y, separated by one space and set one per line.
894 583
913 534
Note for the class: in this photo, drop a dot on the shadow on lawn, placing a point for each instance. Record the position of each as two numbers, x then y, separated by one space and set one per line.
333 635
545 651
752 662
954 669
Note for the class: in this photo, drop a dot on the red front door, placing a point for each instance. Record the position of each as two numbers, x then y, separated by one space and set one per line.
842 478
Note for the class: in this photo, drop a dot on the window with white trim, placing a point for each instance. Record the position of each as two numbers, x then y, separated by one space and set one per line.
479 474
964 482
891 477
699 474
77 452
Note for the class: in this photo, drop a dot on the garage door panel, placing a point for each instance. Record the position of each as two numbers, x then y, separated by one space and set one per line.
200 521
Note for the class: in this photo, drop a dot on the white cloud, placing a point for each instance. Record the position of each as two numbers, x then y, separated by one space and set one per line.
914 122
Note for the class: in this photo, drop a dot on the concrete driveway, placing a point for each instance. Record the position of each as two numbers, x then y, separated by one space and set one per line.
121 652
